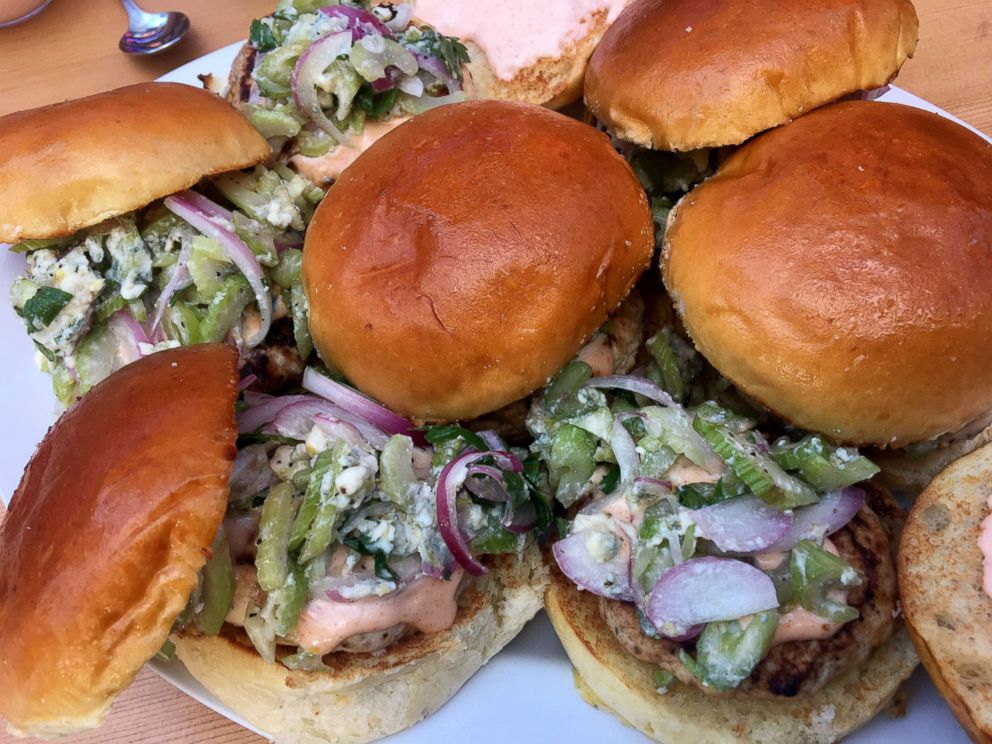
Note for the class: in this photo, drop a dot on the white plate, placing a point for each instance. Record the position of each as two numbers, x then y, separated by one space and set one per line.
526 693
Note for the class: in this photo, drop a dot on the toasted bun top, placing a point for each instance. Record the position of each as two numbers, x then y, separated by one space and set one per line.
940 581
843 281
74 164
112 520
685 74
465 257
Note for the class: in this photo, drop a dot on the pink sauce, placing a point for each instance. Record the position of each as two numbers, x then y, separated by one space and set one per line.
515 34
429 605
985 545
326 168
598 354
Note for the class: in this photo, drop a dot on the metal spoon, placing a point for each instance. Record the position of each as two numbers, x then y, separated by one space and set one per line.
150 33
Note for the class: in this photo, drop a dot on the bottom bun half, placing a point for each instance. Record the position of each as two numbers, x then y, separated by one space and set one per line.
611 679
941 583
363 697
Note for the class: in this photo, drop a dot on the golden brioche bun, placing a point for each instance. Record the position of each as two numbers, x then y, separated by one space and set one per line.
685 74
465 257
609 678
363 697
940 580
845 282
74 164
106 532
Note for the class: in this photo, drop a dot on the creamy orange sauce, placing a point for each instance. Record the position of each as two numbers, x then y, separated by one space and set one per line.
326 168
685 471
429 605
985 545
515 34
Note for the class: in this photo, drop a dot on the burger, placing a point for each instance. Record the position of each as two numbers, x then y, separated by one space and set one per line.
678 84
946 588
304 576
733 549
329 567
324 80
143 230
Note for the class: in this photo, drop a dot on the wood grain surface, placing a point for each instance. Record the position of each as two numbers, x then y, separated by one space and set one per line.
71 50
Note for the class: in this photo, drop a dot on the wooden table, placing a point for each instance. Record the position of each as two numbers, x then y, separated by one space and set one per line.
71 50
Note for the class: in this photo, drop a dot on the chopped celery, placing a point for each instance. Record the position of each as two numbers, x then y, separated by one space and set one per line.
225 309
571 462
37 244
167 652
669 376
95 356
313 143
304 661
824 466
182 322
272 122
272 558
562 396
292 596
727 653
815 572
373 54
397 479
678 433
274 73
217 587
301 321
208 265
287 272
325 467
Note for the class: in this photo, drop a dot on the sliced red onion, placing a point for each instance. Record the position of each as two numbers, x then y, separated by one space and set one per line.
312 63
188 205
446 491
507 460
491 487
519 521
361 22
639 385
438 69
253 398
610 579
703 590
493 440
129 334
624 450
816 521
338 429
265 410
247 381
251 473
298 419
389 81
213 210
742 525
365 408
179 280
641 602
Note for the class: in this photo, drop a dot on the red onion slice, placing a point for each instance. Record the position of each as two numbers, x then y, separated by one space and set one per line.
298 419
265 410
446 492
610 579
742 525
519 521
179 280
312 63
188 205
129 334
247 381
493 440
816 521
639 385
359 405
624 450
360 21
438 69
704 590
338 429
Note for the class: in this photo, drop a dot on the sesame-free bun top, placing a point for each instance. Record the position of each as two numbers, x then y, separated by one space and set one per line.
74 164
106 532
839 271
686 74
466 256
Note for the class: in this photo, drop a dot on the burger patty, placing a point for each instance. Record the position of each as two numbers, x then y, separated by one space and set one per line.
275 362
799 668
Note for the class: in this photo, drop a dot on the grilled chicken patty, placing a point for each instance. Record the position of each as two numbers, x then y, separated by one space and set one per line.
803 667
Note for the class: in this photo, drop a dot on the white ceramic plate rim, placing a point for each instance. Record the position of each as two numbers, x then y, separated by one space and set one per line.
526 693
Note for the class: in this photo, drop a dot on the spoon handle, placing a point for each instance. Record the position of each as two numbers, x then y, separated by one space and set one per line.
135 15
